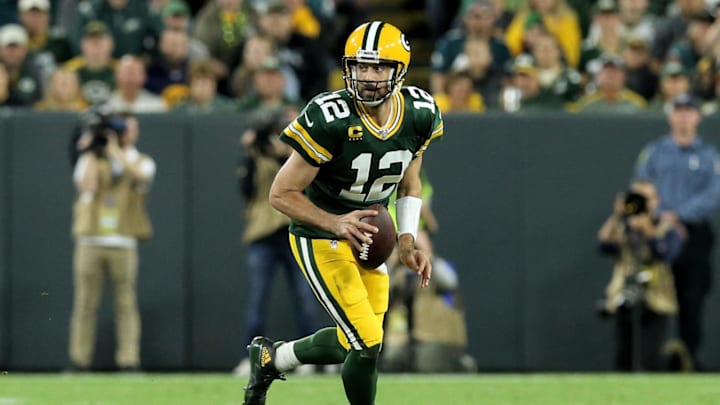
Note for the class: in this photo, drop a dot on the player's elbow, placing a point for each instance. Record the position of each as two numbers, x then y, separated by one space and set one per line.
409 188
278 197
274 198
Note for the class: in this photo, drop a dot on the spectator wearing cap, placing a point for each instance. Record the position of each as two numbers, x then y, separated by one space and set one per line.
610 94
533 28
476 61
557 18
176 16
202 97
129 95
25 84
639 74
459 94
674 27
95 66
686 171
47 46
268 96
129 22
674 81
256 49
222 26
607 38
306 56
478 22
524 92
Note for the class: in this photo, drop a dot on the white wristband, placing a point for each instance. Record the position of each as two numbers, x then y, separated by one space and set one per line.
408 215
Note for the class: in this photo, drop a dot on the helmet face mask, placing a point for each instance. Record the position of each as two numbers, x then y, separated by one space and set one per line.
375 43
370 92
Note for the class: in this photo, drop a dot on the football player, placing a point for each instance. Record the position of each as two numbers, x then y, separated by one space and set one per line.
351 148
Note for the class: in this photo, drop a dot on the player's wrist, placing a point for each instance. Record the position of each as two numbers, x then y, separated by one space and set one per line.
406 242
408 215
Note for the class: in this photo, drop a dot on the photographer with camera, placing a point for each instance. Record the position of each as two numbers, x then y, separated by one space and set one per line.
112 179
266 231
641 292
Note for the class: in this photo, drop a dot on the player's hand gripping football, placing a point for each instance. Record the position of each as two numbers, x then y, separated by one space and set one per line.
350 227
415 259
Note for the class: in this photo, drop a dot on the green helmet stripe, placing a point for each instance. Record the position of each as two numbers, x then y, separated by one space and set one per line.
377 36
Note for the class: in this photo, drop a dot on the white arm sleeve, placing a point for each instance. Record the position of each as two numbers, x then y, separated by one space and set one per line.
408 215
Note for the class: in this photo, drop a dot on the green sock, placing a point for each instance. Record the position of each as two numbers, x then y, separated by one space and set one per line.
322 347
359 375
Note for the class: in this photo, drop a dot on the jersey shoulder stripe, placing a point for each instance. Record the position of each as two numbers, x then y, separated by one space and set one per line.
310 133
304 140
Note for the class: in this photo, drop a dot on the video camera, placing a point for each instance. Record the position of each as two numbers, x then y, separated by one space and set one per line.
99 121
634 203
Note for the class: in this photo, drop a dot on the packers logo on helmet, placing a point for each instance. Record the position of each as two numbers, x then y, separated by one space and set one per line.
376 43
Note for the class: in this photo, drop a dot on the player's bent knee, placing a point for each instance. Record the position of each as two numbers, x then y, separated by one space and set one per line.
371 353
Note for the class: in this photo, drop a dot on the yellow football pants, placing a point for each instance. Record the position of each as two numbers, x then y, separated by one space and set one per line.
355 298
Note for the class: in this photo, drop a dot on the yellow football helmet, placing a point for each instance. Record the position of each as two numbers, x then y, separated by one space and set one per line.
376 42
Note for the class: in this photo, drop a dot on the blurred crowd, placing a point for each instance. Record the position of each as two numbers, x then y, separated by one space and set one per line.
620 56
143 56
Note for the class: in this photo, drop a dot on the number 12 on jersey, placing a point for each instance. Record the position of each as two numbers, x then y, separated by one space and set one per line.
379 189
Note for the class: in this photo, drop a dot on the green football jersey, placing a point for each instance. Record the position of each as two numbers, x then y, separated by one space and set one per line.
360 161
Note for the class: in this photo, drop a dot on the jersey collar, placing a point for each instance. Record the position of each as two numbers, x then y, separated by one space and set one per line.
397 114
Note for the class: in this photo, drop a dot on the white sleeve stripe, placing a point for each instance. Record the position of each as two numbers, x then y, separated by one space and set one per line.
309 146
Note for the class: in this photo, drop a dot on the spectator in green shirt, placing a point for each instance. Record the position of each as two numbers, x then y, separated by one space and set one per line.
557 80
524 93
95 66
269 83
47 47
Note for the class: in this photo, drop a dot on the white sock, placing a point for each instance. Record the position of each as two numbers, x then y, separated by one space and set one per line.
285 358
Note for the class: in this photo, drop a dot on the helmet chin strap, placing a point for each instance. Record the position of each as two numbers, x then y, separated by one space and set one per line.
375 103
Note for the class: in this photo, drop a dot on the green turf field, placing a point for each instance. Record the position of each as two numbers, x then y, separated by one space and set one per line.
501 389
